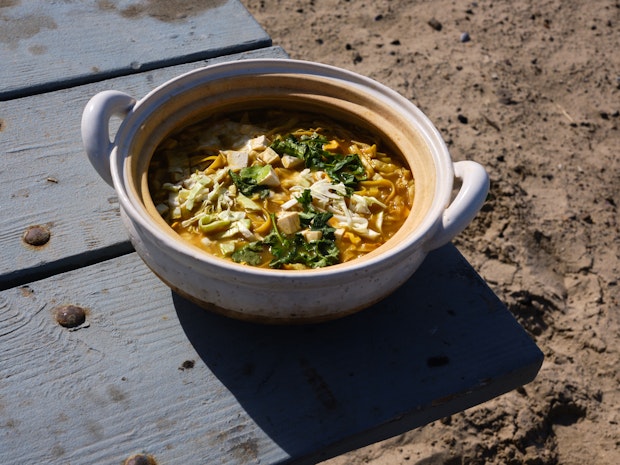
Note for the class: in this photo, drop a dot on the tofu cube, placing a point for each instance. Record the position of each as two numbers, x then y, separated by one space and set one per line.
310 235
237 159
268 156
289 161
257 143
288 222
270 179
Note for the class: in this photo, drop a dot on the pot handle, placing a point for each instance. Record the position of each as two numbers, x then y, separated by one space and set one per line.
466 205
96 127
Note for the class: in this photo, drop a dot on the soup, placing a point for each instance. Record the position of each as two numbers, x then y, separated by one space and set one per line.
271 189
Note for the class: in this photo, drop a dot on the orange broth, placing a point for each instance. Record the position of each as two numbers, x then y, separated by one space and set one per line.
273 189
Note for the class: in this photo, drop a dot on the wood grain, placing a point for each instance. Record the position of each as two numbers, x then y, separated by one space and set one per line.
149 371
47 179
152 372
46 46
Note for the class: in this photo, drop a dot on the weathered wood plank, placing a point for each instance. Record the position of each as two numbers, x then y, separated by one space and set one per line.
50 45
440 344
47 179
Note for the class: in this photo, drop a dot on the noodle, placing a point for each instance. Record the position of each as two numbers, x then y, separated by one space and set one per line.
269 190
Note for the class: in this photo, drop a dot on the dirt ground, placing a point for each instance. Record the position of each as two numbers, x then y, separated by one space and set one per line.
531 90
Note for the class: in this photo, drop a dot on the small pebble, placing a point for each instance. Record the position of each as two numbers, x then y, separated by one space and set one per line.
465 37
462 119
435 24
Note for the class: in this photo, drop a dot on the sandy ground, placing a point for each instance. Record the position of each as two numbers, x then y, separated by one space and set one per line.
530 89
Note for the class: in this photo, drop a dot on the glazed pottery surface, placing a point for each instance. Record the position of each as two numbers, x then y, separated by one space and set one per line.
280 296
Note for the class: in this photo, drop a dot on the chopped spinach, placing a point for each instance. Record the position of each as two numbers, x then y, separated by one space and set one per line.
252 254
293 249
247 181
347 169
314 254
312 218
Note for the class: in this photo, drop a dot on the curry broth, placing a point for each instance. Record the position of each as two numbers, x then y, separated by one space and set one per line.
281 189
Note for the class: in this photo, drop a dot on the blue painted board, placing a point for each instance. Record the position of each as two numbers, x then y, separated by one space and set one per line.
47 179
151 372
47 45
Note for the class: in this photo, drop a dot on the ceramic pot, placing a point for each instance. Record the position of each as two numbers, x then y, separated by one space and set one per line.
280 296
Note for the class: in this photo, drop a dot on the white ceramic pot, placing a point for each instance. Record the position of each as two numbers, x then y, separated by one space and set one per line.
280 295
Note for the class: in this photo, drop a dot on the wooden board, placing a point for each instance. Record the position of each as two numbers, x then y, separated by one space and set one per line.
149 371
51 45
153 373
48 180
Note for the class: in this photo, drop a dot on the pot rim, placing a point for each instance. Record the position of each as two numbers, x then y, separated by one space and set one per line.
186 252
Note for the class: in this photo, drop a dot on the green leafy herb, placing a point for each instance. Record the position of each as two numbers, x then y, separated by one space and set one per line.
295 249
313 219
252 254
292 249
347 169
247 181
305 199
